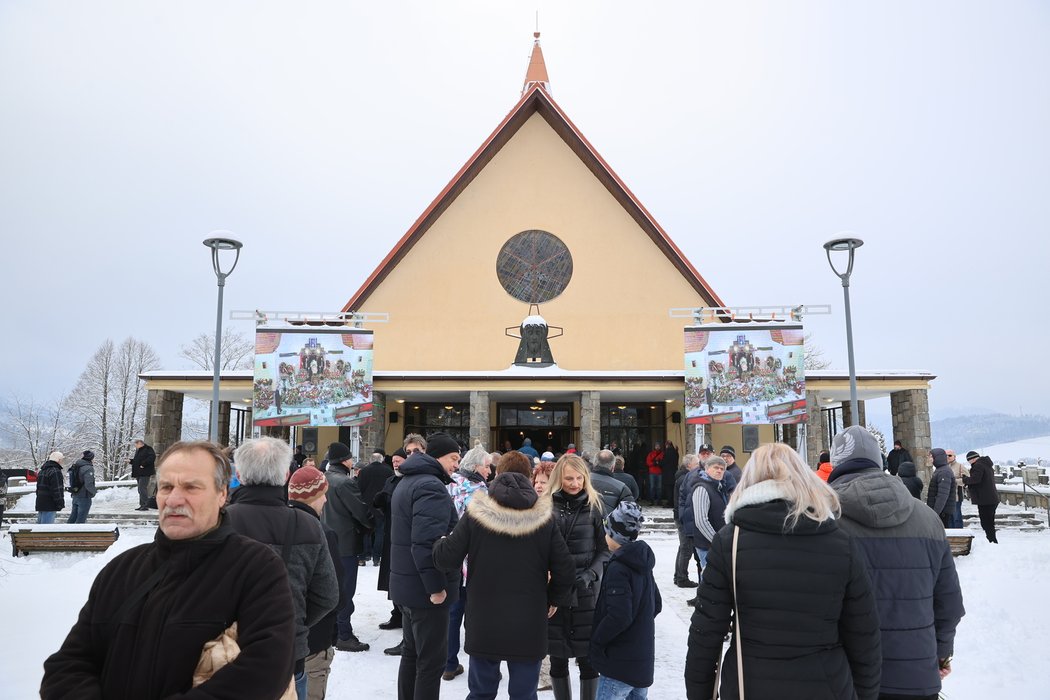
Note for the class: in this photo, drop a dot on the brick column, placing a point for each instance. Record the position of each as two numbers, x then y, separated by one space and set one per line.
480 425
590 422
373 435
911 425
163 419
815 431
847 413
224 423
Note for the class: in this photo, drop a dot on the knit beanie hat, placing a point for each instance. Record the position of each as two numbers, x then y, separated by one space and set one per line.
624 523
972 455
88 455
855 442
306 484
728 449
824 457
338 453
441 444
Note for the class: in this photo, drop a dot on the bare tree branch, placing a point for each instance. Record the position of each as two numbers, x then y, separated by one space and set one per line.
236 351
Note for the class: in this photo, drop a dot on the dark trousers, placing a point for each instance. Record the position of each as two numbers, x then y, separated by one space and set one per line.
455 622
560 667
342 615
483 679
946 517
886 696
143 490
681 561
987 516
374 540
656 482
424 653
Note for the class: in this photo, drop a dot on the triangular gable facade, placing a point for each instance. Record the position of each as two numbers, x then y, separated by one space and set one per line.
448 310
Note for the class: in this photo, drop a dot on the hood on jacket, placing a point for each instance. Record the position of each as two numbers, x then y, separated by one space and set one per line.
50 464
857 465
422 463
985 462
906 469
764 507
506 520
875 499
940 457
637 555
83 463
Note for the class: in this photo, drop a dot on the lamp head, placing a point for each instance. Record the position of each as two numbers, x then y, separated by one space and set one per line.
222 243
843 244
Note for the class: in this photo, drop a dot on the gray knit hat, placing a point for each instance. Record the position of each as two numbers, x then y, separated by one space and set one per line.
855 442
624 523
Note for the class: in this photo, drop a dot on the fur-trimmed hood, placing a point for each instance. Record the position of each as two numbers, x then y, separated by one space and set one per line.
762 492
503 520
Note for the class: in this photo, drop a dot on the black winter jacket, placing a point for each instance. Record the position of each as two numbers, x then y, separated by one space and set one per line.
142 464
382 503
324 633
623 641
982 483
941 494
346 511
807 614
371 479
511 541
897 457
612 490
629 481
906 472
581 526
50 493
916 585
210 583
262 513
421 513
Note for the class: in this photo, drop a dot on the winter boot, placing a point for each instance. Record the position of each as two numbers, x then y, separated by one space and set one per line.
562 689
588 688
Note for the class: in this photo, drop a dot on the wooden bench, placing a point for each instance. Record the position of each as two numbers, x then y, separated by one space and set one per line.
62 538
960 541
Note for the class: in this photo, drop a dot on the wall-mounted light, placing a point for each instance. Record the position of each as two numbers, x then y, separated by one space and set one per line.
400 400
541 400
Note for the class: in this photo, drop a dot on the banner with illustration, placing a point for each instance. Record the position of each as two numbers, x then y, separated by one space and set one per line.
744 373
312 377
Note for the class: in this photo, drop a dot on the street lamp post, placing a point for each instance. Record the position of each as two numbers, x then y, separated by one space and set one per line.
217 244
847 245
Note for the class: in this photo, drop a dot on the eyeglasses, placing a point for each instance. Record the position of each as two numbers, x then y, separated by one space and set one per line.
951 456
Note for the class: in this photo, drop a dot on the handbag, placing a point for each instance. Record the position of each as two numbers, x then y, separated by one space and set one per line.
736 631
222 650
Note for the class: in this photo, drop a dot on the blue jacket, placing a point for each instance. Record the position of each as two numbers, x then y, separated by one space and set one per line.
913 575
421 512
623 640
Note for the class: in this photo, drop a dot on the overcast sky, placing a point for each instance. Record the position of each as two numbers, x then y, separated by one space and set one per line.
318 131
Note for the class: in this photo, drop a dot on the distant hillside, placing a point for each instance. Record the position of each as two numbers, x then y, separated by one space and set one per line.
968 432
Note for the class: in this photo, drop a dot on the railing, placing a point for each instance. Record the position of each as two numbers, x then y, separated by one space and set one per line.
1024 498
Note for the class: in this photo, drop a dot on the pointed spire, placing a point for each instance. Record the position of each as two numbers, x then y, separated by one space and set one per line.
537 71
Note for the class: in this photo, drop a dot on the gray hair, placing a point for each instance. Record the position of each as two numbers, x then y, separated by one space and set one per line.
715 461
690 459
587 457
263 460
414 438
377 457
605 459
474 458
222 464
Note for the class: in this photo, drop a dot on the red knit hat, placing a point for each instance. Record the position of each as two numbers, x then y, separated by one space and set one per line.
306 484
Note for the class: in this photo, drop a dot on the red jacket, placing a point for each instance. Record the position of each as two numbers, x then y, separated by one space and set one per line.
824 470
653 462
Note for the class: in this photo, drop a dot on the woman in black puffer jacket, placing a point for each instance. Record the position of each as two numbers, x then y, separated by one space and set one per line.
906 472
808 623
578 514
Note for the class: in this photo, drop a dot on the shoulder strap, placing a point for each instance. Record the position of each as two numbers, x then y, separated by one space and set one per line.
736 622
140 593
289 535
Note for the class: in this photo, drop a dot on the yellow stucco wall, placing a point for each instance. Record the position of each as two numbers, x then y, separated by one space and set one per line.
448 310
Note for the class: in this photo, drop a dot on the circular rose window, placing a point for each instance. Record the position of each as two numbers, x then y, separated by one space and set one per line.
534 266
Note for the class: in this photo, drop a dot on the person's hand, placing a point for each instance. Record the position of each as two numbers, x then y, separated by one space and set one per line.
438 598
946 668
551 610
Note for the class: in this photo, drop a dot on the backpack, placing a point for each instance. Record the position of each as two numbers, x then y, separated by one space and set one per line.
75 481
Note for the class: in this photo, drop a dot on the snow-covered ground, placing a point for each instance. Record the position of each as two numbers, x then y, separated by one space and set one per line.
999 650
1029 450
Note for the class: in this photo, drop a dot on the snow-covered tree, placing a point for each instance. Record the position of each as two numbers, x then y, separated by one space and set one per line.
236 352
32 431
813 357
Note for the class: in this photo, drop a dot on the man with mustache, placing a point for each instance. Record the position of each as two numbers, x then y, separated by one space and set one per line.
151 610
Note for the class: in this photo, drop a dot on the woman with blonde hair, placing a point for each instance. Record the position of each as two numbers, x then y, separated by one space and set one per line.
577 508
795 588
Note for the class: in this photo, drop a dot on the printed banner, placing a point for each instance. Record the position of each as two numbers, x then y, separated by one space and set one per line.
312 377
744 373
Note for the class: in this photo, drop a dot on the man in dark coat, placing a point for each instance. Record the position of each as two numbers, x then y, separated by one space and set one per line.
421 512
82 487
151 610
623 640
983 493
620 475
669 465
371 479
612 490
941 494
142 469
260 511
50 493
913 575
686 551
511 542
347 514
897 455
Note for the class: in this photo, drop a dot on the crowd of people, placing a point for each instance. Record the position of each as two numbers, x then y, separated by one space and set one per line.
831 582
